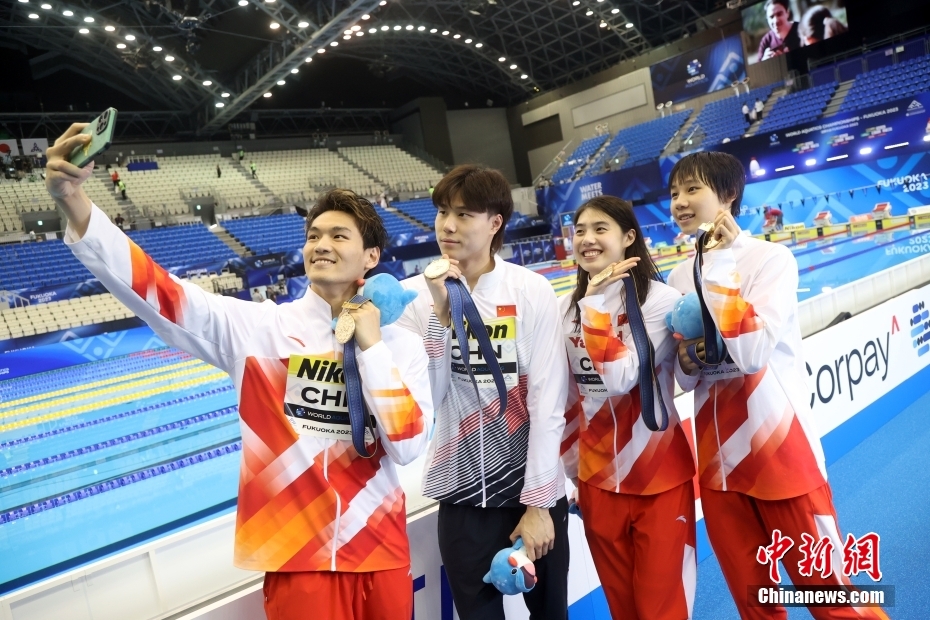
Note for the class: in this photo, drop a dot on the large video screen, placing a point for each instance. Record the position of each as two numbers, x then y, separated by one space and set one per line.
699 72
776 27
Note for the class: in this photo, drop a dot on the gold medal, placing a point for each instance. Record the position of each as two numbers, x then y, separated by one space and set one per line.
345 328
437 268
709 242
603 275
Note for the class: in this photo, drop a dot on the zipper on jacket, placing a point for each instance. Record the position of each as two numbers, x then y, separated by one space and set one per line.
723 470
332 566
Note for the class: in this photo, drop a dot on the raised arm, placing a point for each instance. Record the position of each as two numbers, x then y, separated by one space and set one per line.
210 327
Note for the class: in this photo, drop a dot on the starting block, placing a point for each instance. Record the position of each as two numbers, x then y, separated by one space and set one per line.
881 211
823 218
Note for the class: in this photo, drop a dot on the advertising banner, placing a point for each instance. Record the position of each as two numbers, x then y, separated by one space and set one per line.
45 294
862 136
699 72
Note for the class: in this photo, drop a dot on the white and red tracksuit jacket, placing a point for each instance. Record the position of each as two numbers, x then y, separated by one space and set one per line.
479 457
752 417
306 503
606 443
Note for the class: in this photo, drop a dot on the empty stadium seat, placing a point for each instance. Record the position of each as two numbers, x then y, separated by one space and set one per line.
798 108
904 79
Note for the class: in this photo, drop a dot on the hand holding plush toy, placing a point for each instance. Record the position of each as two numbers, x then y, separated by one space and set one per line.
511 570
685 321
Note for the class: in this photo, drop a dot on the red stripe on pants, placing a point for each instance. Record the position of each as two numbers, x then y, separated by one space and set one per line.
738 524
377 595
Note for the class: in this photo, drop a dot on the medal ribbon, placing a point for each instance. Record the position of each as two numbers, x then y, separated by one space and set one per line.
359 418
713 355
649 389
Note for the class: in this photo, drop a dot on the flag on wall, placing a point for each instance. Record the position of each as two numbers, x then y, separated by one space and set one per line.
8 148
35 147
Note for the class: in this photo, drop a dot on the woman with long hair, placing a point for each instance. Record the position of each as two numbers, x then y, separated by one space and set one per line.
635 487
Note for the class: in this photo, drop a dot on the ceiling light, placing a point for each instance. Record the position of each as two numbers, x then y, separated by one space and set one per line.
629 24
220 104
84 31
295 70
334 44
130 37
524 76
67 13
224 95
467 40
408 27
445 33
382 3
396 27
176 78
360 33
169 58
120 46
308 59
109 28
207 83
372 30
24 1
576 2
270 1
157 48
501 59
433 30
589 13
456 36
89 20
33 16
603 24
347 37
322 50
281 82
274 25
383 28
479 44
366 16
810 162
46 6
243 2
614 11
421 28
303 24
513 66
266 95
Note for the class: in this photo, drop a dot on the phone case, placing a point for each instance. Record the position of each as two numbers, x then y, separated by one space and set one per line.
101 132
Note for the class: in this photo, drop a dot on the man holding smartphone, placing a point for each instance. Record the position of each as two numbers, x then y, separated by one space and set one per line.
497 475
327 526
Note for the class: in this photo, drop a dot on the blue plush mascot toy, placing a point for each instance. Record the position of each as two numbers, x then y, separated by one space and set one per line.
388 296
685 322
511 570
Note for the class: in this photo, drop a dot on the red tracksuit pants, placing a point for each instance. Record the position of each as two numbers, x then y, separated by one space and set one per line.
377 595
738 524
643 548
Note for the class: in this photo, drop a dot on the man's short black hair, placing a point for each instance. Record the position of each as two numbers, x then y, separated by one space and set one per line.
721 172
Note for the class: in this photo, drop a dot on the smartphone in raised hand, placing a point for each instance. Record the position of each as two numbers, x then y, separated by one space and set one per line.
101 131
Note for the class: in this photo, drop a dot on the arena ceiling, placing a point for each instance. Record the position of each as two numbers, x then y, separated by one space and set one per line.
215 59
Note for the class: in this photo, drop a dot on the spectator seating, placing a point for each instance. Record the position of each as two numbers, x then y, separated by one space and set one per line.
394 166
724 118
58 315
36 264
422 210
888 83
176 246
292 175
643 142
797 108
579 158
163 191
